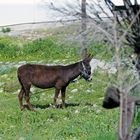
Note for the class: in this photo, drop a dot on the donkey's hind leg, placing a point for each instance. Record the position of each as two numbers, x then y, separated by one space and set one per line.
27 98
20 97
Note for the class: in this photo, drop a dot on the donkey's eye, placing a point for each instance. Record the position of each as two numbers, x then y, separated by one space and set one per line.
89 72
133 62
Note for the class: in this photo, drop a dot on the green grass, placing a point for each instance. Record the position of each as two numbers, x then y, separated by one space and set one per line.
83 118
14 49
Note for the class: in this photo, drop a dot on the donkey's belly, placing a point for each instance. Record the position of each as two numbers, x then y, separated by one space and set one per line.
44 85
43 81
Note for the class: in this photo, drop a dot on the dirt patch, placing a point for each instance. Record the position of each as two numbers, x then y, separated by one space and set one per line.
31 31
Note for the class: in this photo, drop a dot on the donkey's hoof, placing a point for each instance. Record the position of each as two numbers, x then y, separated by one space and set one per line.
63 107
31 109
22 108
55 106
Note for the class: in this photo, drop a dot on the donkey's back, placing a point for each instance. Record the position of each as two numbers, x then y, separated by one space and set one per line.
42 76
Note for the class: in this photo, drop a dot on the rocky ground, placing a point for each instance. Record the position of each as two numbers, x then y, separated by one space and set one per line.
30 31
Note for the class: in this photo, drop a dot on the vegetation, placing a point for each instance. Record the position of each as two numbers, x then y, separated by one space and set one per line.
6 29
84 118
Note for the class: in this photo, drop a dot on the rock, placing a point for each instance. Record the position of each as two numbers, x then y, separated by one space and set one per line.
109 67
74 90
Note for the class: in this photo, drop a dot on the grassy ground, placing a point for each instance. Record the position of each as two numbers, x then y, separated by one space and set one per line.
83 119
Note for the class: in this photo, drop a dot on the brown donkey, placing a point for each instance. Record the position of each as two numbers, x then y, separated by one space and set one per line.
44 76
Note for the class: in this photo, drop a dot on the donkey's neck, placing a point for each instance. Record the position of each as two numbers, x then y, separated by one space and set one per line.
73 71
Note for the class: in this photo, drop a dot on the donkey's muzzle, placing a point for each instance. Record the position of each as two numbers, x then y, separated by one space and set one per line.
89 79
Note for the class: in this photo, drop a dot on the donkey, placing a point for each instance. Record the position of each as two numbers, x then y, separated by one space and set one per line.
57 77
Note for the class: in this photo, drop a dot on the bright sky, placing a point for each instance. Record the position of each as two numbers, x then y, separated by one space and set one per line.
120 2
18 1
22 13
117 2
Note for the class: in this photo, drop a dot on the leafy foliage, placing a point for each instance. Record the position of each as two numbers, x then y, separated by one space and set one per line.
6 29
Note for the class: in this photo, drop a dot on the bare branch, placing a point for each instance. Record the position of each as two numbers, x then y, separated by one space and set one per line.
129 27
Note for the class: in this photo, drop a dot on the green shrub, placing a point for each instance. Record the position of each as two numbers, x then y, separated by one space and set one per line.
8 47
6 29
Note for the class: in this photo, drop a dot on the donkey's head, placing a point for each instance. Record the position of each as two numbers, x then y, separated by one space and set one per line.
86 68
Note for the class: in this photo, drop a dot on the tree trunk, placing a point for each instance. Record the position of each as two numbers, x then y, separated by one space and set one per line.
123 117
83 28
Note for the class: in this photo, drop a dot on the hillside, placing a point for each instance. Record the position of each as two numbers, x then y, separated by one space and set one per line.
83 118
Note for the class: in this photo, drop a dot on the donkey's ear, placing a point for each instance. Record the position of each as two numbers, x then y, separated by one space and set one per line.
88 58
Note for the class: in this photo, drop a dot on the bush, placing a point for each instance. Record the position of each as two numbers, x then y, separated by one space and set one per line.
9 47
6 29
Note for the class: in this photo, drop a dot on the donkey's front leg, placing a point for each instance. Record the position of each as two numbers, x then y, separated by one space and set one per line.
56 96
63 97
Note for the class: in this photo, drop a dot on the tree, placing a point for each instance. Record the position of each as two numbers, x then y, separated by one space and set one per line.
86 13
128 18
120 29
84 26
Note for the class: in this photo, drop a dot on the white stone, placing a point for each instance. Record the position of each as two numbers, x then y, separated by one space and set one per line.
74 90
21 138
98 111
